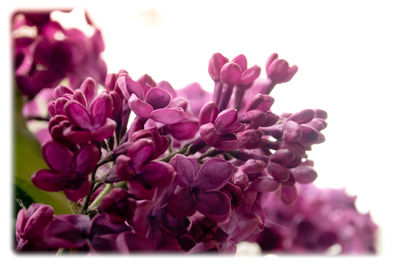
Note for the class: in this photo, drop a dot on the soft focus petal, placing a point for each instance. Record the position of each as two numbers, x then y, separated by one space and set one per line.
214 205
57 156
230 73
158 98
48 180
304 174
67 231
264 184
303 116
215 64
89 88
181 204
100 110
278 171
209 134
86 159
208 113
129 87
128 242
141 108
140 152
186 170
249 75
78 115
184 130
168 115
156 173
76 194
104 131
288 194
214 174
225 118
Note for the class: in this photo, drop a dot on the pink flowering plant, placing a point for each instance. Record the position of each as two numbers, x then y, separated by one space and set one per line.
145 167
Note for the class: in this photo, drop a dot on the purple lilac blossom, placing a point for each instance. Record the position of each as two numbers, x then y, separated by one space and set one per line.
187 175
320 219
45 53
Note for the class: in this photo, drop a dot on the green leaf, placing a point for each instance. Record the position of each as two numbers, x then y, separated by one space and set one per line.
27 160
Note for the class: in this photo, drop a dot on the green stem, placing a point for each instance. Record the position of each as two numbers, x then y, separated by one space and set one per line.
183 150
97 201
59 251
209 153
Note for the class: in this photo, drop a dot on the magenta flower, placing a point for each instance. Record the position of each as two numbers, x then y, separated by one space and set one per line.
69 170
142 174
196 96
30 225
227 75
219 130
118 206
150 103
200 187
67 231
319 219
90 125
54 53
278 70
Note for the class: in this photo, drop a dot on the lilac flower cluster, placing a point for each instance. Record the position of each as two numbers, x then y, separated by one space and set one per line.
189 174
321 221
45 53
193 172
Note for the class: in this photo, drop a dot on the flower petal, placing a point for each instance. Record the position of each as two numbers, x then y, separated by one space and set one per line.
249 75
128 242
67 231
78 115
86 159
57 156
288 194
158 98
141 108
100 110
76 194
186 170
264 184
140 152
208 113
129 87
230 73
214 205
102 226
304 174
104 131
225 118
278 171
214 174
156 173
209 134
184 130
89 88
168 115
303 116
181 204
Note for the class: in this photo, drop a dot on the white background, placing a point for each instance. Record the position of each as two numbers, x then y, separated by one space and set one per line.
348 57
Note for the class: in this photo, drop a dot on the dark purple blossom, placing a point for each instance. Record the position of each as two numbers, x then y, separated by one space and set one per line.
49 53
30 225
200 188
320 219
150 102
219 130
68 170
143 175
